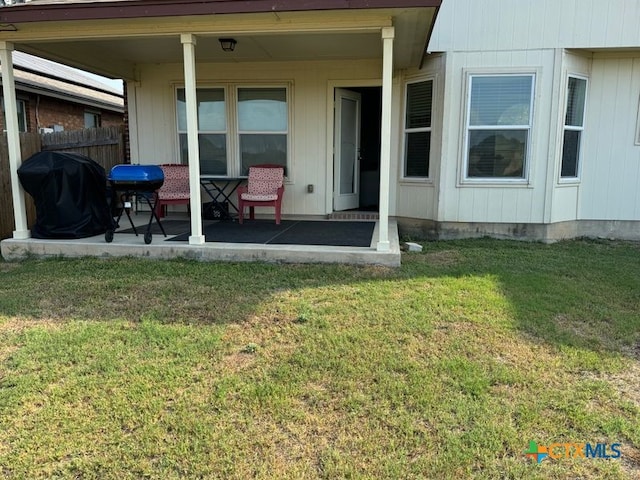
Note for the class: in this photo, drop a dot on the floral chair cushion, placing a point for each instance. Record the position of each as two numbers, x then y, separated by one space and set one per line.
176 182
263 184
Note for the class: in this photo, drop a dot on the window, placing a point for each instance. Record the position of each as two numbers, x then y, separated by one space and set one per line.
637 142
262 126
91 119
259 134
573 127
21 107
212 130
498 126
22 115
417 129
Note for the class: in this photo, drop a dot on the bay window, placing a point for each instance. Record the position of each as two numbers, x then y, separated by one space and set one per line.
573 127
417 129
498 130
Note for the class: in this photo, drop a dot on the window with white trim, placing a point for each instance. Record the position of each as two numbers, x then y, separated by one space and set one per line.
573 127
212 130
498 130
263 126
91 119
22 115
21 107
259 134
417 129
637 142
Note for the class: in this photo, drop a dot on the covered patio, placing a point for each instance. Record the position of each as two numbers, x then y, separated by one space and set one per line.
302 53
228 246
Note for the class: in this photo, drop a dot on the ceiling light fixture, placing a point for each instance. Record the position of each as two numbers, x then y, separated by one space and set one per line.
228 44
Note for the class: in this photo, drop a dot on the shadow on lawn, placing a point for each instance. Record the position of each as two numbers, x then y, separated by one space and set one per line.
579 293
174 291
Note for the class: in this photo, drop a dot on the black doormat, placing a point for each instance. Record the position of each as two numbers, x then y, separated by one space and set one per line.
171 227
289 232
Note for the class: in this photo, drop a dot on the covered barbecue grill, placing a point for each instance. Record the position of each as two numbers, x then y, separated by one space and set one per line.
70 195
141 181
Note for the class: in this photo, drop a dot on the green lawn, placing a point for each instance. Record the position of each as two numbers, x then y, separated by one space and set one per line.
444 368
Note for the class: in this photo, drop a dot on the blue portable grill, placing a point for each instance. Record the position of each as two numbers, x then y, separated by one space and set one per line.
141 181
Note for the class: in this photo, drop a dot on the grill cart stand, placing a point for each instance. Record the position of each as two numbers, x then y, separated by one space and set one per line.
141 181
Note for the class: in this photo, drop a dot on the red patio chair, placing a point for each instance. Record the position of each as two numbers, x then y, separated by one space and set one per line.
264 188
175 189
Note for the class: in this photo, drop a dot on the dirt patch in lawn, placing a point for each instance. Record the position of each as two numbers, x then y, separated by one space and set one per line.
444 258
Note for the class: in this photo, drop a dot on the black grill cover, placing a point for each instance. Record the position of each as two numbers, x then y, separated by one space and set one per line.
70 194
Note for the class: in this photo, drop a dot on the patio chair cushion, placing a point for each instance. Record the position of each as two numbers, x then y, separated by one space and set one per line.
265 187
259 198
176 182
175 190
265 181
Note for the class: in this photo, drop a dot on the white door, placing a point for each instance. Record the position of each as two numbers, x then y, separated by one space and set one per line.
346 150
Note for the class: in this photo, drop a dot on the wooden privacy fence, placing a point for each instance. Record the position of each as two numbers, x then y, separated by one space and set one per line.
104 145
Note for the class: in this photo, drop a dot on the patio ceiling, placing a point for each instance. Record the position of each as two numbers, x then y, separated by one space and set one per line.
115 46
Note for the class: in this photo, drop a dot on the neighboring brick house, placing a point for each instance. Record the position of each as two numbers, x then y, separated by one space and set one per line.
53 97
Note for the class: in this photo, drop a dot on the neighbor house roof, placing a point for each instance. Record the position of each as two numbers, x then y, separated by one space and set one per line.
42 76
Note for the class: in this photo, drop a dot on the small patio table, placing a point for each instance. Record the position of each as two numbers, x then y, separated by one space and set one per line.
220 190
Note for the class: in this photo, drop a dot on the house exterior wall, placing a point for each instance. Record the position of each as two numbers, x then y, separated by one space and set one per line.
498 201
598 41
418 198
610 188
311 83
489 25
53 111
565 194
45 112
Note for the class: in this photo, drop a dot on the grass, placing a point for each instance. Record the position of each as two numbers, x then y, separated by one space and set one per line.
444 368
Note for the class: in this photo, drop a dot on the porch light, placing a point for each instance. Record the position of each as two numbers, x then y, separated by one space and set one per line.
228 44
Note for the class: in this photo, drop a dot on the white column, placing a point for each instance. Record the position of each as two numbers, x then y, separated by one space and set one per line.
13 140
385 147
189 48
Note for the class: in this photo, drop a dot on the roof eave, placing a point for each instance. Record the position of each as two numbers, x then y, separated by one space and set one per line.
45 12
22 86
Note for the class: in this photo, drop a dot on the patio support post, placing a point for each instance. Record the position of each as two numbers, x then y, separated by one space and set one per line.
13 141
388 34
189 45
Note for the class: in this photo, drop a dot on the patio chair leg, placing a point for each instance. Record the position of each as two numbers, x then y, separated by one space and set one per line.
251 213
160 210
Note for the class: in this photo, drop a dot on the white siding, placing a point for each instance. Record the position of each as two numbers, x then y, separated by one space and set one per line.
554 38
418 199
460 202
471 25
565 195
611 168
157 137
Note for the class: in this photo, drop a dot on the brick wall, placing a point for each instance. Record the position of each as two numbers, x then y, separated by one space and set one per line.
127 139
52 111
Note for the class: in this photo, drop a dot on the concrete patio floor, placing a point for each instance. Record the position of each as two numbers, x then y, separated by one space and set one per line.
124 245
